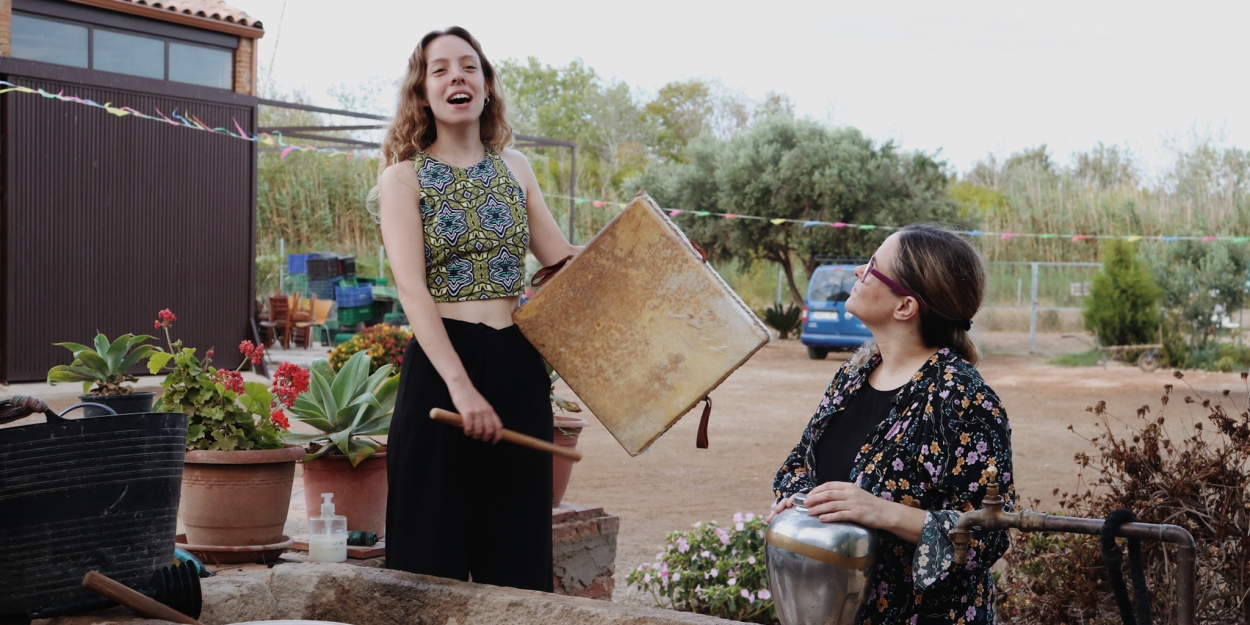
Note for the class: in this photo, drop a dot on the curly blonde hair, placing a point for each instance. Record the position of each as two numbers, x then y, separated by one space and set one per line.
412 129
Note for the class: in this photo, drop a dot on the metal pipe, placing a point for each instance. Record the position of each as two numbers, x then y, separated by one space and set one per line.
990 517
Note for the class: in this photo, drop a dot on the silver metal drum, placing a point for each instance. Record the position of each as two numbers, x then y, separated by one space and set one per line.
818 573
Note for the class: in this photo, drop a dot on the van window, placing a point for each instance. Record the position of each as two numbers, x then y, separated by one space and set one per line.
831 285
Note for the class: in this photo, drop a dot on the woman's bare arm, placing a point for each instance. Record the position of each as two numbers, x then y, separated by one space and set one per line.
547 242
400 196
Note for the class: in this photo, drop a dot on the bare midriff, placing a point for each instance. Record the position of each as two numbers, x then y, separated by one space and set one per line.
496 312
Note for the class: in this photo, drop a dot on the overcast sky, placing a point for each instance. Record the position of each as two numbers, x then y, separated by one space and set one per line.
968 77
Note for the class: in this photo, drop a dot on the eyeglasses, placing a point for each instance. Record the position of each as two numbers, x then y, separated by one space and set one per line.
894 286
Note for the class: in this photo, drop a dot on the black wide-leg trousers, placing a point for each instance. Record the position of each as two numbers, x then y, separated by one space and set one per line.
457 506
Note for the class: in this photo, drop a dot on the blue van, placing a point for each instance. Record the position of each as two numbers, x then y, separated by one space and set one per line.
826 324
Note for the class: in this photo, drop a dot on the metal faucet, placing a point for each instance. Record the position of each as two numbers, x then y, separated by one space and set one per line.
992 518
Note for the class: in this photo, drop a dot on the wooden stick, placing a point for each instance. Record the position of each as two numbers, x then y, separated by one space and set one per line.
516 438
133 599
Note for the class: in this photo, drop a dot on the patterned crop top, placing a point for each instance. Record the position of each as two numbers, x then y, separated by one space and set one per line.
476 229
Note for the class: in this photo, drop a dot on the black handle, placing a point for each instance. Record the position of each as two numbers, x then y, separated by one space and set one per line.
22 406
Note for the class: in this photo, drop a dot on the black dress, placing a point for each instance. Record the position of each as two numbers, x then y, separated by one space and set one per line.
458 507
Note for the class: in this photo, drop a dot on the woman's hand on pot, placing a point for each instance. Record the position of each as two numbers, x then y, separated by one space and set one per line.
843 501
779 507
480 420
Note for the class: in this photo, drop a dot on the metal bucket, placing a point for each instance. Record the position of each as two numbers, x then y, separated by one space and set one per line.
818 573
86 494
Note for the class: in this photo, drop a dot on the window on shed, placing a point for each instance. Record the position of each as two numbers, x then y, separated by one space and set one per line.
49 41
128 54
198 65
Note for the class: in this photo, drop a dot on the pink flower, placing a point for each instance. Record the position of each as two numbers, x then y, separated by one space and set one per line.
746 594
740 526
750 516
737 517
764 595
750 559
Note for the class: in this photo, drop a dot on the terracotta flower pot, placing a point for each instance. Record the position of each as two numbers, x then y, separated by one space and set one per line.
359 492
237 497
565 434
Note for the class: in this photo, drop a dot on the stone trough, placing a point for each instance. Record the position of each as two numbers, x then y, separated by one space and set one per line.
369 596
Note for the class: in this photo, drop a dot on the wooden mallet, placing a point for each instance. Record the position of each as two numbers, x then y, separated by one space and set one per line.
516 438
135 600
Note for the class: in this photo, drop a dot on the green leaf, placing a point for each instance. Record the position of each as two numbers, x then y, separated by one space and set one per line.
317 454
321 392
303 439
306 409
135 356
73 347
117 352
93 361
323 367
377 426
67 373
101 343
350 378
359 449
378 377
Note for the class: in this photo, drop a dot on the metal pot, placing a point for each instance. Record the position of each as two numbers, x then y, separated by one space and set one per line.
818 573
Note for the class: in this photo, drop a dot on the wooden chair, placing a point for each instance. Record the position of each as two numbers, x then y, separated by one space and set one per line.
279 317
301 320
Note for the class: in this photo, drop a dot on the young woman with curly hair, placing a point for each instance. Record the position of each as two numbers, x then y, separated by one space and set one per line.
459 211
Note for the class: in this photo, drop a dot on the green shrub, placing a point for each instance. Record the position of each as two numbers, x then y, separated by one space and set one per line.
1123 299
784 320
712 570
1199 281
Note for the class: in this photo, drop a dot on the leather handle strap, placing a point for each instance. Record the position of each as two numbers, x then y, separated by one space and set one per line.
699 250
700 441
546 273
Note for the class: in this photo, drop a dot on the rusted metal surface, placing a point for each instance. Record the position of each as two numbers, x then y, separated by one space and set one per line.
107 220
992 518
639 326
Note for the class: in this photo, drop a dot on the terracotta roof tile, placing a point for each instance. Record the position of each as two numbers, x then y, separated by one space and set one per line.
209 9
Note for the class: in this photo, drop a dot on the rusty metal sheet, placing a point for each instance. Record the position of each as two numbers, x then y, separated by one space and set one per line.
639 326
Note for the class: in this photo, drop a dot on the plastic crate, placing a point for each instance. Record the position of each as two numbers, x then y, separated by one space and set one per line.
322 288
342 337
297 263
352 315
349 296
347 265
395 319
371 281
296 283
322 267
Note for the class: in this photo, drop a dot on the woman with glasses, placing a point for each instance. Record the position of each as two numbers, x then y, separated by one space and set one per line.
907 432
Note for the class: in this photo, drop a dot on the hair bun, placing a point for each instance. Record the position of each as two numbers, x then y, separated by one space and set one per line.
965 325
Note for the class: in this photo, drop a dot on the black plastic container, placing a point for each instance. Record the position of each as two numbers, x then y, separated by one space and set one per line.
130 403
87 494
322 267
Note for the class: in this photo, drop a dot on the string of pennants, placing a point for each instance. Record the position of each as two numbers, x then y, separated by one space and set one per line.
189 120
1002 236
186 120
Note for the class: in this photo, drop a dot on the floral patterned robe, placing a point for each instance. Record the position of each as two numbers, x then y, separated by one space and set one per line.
945 429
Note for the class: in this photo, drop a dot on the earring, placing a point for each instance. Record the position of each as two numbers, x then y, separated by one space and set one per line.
488 97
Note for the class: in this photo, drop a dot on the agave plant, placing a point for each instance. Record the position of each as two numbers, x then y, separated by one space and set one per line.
346 406
105 366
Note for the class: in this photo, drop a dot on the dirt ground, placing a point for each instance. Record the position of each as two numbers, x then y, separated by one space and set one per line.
760 412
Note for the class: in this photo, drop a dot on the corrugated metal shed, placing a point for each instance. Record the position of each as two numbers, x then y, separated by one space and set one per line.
107 220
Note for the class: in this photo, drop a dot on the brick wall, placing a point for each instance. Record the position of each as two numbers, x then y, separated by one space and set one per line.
6 27
244 66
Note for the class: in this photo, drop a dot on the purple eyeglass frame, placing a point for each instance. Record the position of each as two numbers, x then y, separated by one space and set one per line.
894 286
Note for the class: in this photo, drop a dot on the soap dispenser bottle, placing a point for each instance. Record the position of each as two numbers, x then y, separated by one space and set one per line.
327 534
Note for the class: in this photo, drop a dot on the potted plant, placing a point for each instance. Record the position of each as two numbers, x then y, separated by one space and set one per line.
346 407
102 370
566 429
236 486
